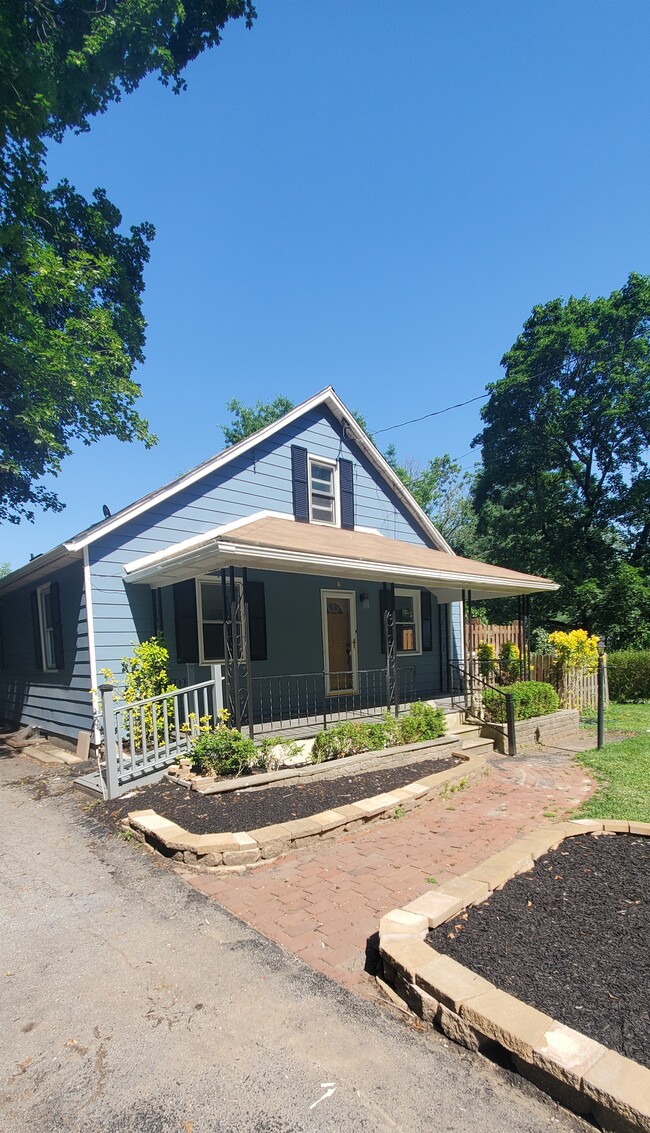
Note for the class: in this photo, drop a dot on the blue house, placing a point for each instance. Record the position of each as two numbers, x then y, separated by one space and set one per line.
296 560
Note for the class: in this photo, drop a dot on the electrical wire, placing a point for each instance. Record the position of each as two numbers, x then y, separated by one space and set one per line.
436 413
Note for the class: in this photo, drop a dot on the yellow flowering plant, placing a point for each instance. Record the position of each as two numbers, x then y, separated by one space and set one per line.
577 650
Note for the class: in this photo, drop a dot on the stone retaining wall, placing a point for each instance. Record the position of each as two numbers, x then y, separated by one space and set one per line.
550 730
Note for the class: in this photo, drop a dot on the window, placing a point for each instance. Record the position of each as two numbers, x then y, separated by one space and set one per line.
322 491
407 621
209 603
46 627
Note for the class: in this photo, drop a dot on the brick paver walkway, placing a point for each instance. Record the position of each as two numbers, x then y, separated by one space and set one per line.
324 903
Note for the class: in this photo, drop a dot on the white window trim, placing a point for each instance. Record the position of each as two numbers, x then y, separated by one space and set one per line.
199 619
333 464
42 626
403 592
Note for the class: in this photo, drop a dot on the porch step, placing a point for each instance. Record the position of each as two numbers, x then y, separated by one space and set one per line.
477 747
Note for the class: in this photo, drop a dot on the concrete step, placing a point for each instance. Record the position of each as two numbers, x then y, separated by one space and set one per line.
455 719
468 732
478 747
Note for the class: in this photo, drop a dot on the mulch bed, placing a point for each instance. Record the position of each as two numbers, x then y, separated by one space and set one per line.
570 938
252 807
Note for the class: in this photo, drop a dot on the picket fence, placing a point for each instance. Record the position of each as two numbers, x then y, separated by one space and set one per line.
575 690
494 635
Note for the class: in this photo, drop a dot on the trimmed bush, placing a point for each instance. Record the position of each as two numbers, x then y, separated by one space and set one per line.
422 723
629 675
224 751
531 698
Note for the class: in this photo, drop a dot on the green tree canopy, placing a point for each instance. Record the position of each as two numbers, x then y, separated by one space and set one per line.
71 325
443 490
565 485
247 419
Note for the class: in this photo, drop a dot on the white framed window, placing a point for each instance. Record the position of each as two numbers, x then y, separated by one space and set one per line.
323 491
209 610
46 627
408 621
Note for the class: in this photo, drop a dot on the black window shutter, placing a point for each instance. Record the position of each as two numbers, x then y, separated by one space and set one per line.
57 631
257 620
186 623
157 611
36 627
300 483
346 484
427 630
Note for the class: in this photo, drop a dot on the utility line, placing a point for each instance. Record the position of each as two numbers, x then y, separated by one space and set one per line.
436 413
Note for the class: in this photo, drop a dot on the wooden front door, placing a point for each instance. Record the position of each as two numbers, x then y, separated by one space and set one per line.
339 640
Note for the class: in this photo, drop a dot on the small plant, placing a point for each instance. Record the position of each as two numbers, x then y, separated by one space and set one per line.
223 751
486 654
193 728
399 812
432 881
575 650
531 698
423 722
509 657
146 677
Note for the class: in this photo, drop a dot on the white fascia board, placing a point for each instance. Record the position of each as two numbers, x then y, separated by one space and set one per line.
205 469
179 551
237 552
38 567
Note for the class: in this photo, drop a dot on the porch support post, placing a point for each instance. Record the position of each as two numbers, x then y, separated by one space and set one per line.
235 646
389 638
247 654
470 637
520 636
110 745
227 650
465 644
216 674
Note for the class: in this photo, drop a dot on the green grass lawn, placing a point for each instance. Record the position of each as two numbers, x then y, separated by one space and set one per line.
622 769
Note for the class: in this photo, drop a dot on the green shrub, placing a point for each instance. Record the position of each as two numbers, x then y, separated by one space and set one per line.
629 675
508 662
145 677
531 698
224 751
486 654
423 722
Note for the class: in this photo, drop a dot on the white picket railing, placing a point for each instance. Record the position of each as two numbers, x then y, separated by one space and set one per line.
146 736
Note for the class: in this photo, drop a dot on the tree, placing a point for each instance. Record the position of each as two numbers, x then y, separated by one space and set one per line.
564 489
247 419
71 325
443 491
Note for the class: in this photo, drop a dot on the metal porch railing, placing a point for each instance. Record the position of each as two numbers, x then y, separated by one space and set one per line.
466 684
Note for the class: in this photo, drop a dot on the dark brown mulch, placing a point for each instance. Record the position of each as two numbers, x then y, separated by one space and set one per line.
571 939
252 807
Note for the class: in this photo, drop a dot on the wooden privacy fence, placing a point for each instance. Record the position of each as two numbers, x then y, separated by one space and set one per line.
494 635
575 690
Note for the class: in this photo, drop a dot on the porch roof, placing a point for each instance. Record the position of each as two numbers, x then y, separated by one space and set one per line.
278 543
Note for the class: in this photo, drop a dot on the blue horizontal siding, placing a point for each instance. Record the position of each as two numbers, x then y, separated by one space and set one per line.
58 703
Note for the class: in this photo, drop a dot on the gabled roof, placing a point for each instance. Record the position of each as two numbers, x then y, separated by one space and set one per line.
326 398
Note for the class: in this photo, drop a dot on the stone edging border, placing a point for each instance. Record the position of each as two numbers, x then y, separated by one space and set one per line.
581 1074
248 848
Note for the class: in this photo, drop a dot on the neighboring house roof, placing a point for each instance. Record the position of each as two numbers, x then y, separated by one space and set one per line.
278 542
326 398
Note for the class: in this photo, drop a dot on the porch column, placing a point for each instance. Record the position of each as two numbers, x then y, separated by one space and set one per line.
246 628
392 695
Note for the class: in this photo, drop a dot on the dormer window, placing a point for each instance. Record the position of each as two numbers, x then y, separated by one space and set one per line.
323 491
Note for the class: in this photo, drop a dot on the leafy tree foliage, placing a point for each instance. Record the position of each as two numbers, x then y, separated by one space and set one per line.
71 325
247 419
443 491
565 485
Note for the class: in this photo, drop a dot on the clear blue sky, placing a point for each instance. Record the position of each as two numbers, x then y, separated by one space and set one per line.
365 194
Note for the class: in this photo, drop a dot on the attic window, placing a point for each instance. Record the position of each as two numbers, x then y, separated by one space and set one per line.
322 491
